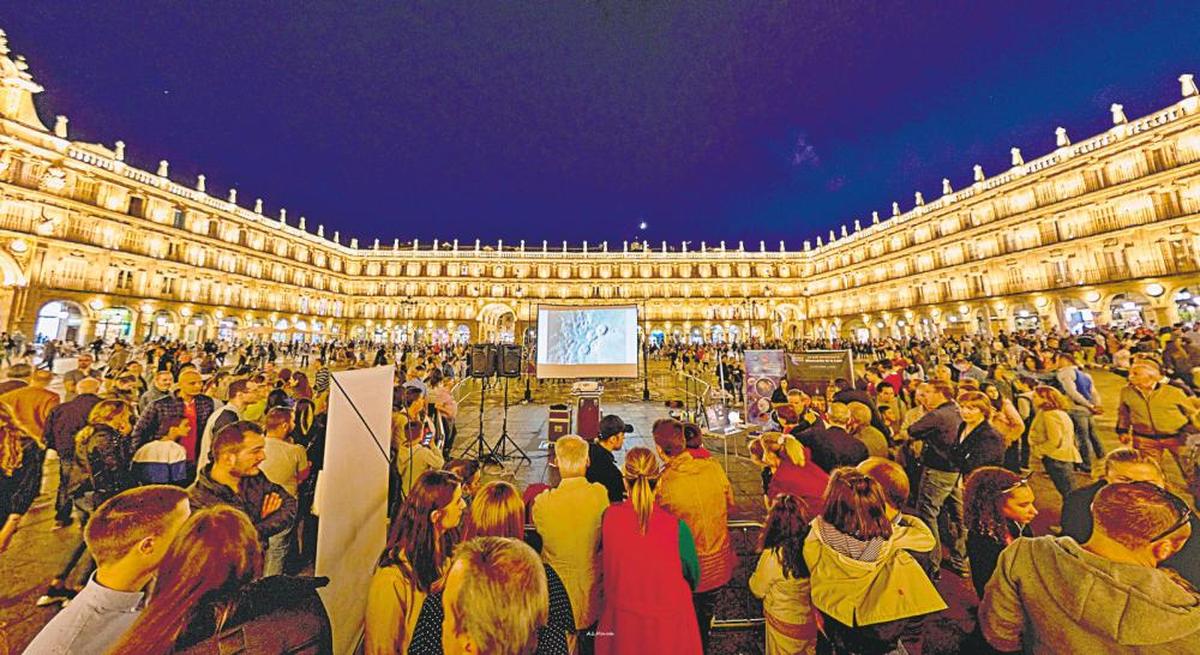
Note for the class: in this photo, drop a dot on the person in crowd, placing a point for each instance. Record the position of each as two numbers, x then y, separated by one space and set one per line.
286 464
305 413
32 403
49 354
241 393
495 598
498 511
18 376
967 370
470 472
62 424
1052 437
1081 391
422 536
1154 416
980 443
299 386
412 456
896 488
792 471
694 438
650 570
1107 595
159 388
887 396
806 415
999 509
568 519
861 429
233 478
1124 465
781 579
104 452
833 445
698 492
602 465
208 592
163 461
188 401
1007 421
21 457
83 369
939 489
128 536
445 407
863 580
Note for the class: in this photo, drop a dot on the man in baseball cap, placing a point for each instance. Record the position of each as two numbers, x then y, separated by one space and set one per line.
602 465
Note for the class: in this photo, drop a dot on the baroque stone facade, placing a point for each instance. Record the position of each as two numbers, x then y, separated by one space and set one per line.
1102 231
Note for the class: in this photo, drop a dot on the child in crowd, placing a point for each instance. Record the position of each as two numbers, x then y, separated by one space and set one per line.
163 461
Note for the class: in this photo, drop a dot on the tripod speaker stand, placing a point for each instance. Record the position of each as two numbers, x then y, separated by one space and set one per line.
500 451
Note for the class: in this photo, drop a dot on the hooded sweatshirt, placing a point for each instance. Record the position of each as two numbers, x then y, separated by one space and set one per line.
1049 595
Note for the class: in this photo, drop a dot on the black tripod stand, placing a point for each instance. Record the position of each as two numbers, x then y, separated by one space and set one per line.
479 445
500 450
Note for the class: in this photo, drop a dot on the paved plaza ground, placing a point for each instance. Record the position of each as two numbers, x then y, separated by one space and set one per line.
38 550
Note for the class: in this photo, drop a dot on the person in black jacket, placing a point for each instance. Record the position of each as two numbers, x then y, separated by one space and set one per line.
1121 466
602 466
233 478
833 445
979 444
62 424
939 429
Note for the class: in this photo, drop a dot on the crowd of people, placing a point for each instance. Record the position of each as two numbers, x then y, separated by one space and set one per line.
191 471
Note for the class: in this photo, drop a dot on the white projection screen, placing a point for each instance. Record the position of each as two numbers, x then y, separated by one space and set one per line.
587 342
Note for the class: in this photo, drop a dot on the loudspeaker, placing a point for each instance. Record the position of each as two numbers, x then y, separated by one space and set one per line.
483 360
510 360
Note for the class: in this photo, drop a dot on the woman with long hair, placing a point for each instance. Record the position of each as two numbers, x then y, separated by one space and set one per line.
792 470
419 544
997 509
864 580
650 570
498 511
300 388
781 579
1007 422
1052 437
21 458
206 589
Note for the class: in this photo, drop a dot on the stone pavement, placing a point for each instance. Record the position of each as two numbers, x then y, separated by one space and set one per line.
38 550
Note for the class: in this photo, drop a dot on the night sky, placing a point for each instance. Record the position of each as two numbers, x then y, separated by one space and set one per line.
502 120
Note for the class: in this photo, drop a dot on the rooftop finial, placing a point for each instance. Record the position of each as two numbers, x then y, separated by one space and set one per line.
946 188
819 242
258 205
163 167
3 42
857 226
978 172
320 230
200 183
336 237
832 237
283 216
354 243
874 218
1060 137
918 198
895 209
1187 85
60 126
233 196
1017 159
303 222
119 151
1118 114
376 246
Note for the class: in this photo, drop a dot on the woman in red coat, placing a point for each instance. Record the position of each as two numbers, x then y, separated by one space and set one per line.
792 471
650 569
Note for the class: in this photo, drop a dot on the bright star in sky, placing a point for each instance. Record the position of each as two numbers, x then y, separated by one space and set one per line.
642 225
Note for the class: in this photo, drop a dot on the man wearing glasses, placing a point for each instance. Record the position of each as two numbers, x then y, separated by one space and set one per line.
1053 595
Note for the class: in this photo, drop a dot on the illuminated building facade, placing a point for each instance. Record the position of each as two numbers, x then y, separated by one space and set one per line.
1103 231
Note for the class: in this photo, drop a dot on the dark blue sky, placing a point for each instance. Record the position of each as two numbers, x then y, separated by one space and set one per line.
745 120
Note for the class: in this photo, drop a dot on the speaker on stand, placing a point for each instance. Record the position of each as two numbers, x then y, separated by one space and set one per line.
482 365
509 367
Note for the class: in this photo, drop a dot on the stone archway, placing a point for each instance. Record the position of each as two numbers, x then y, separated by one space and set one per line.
60 320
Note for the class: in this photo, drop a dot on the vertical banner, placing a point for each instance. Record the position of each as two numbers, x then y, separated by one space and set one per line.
764 369
813 370
352 496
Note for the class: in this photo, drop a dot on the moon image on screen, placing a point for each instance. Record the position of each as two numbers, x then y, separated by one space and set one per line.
585 337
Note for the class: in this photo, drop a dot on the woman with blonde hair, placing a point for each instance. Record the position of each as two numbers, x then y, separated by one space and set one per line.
21 458
497 511
650 569
206 588
791 469
1052 437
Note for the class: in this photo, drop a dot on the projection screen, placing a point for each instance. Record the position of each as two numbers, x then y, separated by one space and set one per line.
587 342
